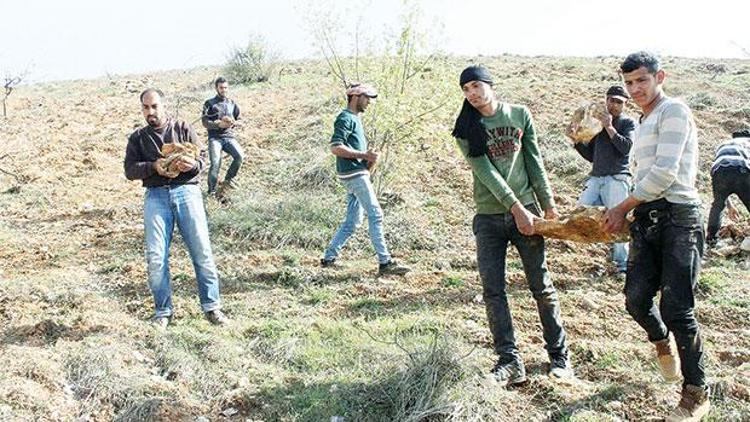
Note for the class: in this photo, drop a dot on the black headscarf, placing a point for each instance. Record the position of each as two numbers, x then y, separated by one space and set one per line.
468 123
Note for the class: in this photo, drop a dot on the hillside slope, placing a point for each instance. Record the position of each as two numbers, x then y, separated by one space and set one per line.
306 343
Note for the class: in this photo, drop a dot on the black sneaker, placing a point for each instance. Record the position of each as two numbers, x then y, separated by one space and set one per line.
326 263
392 268
560 368
509 372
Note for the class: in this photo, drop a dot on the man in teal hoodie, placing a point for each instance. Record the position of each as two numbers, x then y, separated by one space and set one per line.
498 141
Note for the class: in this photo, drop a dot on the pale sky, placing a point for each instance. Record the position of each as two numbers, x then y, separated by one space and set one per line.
57 39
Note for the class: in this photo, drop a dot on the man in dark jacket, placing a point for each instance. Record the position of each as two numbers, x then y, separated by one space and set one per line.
609 150
172 198
220 114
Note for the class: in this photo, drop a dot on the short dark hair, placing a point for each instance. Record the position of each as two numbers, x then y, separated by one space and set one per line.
156 91
641 59
219 80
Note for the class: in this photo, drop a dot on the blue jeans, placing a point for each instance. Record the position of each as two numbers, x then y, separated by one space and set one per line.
163 207
609 191
215 148
493 232
360 195
666 246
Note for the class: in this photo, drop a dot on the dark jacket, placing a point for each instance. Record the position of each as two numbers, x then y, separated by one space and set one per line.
610 156
144 147
213 110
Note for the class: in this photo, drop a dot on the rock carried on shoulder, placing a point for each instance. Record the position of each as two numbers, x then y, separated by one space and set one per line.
585 125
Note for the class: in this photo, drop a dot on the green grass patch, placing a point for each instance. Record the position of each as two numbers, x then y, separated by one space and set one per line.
453 281
299 219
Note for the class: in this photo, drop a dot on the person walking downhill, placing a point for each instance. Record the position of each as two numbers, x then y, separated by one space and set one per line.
353 163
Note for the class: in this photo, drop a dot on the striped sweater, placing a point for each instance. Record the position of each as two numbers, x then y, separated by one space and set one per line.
665 154
734 153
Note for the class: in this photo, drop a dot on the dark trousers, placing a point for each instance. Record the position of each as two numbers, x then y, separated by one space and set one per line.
493 232
666 247
724 182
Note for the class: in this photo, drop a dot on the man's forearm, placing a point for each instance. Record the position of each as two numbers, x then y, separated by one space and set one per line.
346 152
628 204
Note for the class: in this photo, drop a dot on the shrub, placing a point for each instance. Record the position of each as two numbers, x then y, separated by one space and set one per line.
255 62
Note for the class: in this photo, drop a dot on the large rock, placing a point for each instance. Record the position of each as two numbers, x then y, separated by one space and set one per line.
582 225
584 125
173 151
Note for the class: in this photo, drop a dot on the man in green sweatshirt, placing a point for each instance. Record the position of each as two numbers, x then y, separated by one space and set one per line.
498 141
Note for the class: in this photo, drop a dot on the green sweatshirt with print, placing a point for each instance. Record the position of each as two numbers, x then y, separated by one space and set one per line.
512 169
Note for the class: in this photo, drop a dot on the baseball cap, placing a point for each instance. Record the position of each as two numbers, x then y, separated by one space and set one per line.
617 91
362 89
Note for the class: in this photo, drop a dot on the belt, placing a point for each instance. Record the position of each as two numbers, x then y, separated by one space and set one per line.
654 210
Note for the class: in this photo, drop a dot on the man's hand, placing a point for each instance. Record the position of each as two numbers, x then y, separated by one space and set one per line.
161 171
571 129
524 219
614 219
732 211
604 118
185 163
370 156
551 214
224 124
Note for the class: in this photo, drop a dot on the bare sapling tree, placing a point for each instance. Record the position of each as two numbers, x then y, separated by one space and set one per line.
401 60
9 84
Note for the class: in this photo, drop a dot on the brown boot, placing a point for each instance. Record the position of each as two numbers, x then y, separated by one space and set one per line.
669 364
693 406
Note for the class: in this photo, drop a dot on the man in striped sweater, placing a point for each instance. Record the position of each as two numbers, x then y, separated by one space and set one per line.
667 235
730 174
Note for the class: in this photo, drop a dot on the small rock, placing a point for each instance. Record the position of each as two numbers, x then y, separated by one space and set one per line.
478 299
614 405
471 325
588 304
202 419
139 357
87 207
442 265
231 411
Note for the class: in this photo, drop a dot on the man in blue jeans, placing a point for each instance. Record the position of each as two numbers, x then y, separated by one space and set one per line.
171 199
220 114
609 181
353 163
